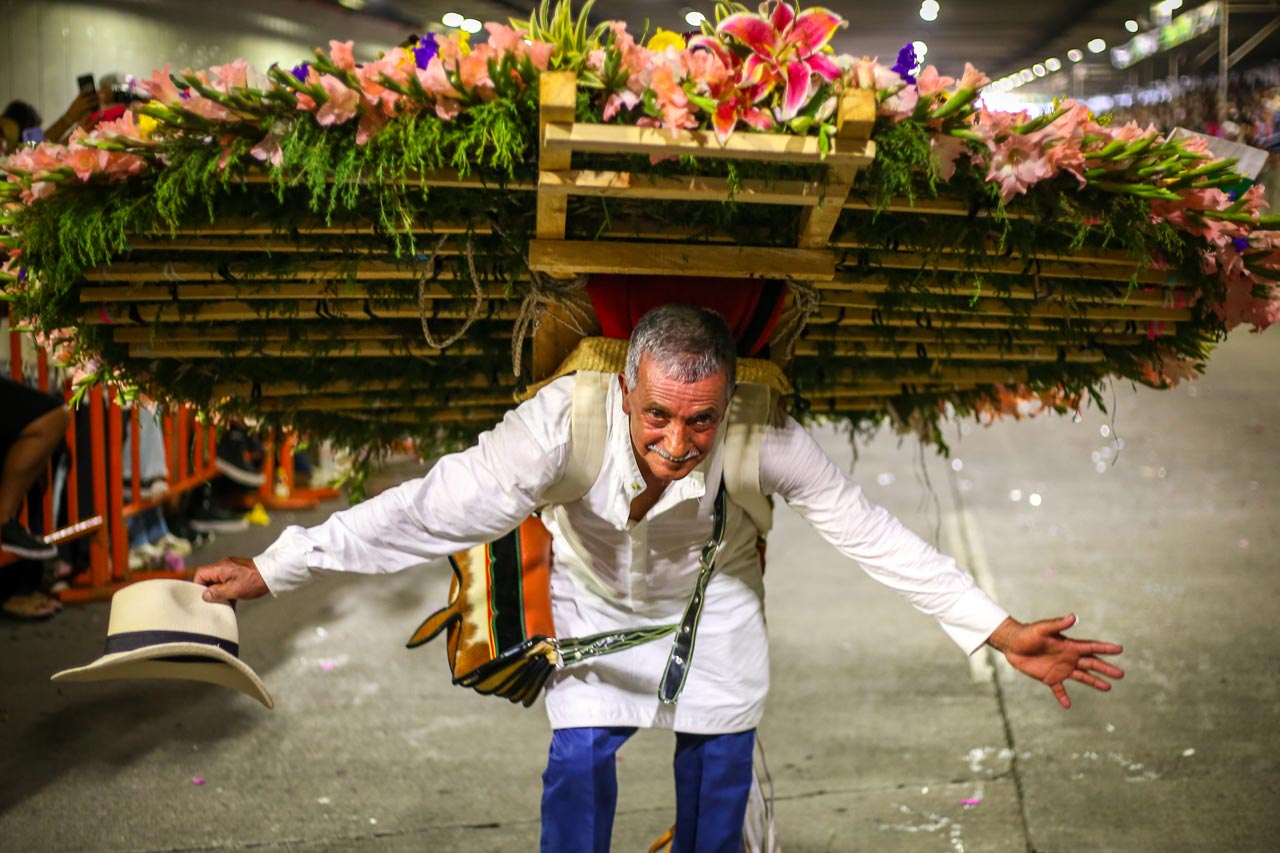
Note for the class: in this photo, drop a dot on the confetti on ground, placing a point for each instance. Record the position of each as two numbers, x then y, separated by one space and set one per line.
197 780
970 801
1187 753
324 801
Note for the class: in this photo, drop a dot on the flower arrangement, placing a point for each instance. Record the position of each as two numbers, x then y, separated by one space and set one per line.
338 138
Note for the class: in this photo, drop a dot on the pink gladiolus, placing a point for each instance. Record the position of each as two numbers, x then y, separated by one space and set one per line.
341 105
160 88
672 99
474 71
929 82
233 74
268 151
786 50
503 39
972 79
1016 164
868 73
617 101
340 53
946 150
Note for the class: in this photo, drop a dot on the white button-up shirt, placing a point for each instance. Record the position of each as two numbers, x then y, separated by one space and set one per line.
611 573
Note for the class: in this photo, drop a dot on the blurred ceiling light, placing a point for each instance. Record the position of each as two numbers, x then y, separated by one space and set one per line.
929 10
355 5
1027 75
1038 70
1053 63
921 49
452 19
1075 55
1131 25
471 25
694 19
1096 45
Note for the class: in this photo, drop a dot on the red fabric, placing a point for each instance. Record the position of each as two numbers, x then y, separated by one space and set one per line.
109 114
750 306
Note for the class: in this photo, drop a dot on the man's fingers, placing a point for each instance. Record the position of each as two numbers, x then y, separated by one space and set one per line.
1090 680
1101 666
1061 693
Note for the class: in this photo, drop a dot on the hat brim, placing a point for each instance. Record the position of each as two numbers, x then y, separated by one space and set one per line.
218 667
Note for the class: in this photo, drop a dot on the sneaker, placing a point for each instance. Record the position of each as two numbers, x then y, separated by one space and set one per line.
21 542
235 458
176 544
206 517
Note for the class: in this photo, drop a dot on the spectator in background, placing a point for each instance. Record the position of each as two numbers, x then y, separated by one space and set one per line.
20 118
31 430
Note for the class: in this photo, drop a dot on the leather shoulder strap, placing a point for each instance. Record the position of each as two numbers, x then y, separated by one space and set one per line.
588 432
749 415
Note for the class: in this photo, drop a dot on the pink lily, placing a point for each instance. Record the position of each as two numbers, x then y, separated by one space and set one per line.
786 49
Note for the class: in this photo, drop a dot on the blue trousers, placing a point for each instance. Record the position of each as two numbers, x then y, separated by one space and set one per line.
580 790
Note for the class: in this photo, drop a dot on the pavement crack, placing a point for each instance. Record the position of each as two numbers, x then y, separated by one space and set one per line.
967 535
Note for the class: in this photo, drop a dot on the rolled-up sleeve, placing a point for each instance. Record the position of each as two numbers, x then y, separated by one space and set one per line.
466 498
794 467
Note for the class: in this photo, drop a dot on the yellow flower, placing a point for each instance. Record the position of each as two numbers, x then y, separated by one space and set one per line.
664 39
146 125
464 42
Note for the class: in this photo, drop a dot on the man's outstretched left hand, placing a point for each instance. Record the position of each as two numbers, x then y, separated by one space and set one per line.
1041 651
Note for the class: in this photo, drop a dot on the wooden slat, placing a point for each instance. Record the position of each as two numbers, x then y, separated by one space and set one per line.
438 178
936 207
998 308
182 271
688 188
557 100
993 249
566 258
856 115
660 142
995 338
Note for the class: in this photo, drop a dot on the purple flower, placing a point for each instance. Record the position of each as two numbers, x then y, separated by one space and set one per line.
425 50
906 61
22 273
1241 243
300 70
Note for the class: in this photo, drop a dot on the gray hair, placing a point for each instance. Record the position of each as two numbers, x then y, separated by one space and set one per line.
689 342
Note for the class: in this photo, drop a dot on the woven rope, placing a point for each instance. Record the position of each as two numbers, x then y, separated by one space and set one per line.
476 306
544 291
806 300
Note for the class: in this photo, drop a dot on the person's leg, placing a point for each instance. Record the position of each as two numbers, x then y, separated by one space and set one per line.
580 789
27 456
713 782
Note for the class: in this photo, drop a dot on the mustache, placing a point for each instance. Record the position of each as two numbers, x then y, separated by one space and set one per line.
691 455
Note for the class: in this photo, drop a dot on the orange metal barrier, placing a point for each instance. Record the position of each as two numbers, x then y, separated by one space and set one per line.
190 452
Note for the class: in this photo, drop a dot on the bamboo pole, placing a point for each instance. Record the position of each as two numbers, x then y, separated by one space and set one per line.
161 292
370 402
998 308
945 337
364 349
843 318
320 311
339 386
1159 295
961 352
1031 269
637 185
567 258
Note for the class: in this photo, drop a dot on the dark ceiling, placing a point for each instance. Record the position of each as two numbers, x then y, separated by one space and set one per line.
997 37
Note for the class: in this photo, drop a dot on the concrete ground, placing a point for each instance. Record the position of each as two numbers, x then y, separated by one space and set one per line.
1157 523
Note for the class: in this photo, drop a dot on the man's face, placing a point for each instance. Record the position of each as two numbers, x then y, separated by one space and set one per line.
673 423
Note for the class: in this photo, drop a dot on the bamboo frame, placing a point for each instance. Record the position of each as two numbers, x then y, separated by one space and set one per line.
151 314
1158 296
999 308
295 389
331 290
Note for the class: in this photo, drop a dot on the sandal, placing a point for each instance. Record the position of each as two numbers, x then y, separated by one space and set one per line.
32 607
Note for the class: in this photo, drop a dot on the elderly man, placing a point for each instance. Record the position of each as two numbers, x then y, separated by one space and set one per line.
627 556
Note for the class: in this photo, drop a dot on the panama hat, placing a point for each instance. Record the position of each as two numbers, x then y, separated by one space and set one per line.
165 629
